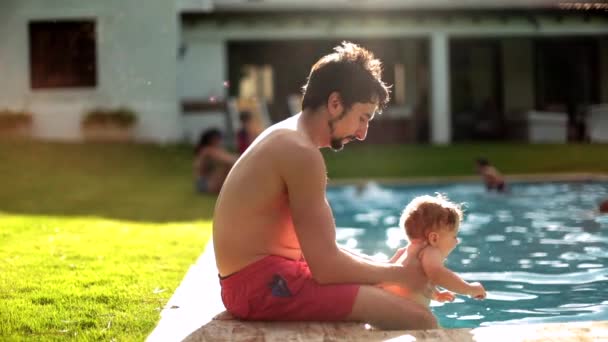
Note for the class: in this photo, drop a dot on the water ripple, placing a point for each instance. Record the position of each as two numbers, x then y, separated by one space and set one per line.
541 251
509 296
585 313
590 276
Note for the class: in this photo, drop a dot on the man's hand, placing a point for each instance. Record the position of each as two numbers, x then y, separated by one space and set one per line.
413 248
397 255
443 296
477 291
410 277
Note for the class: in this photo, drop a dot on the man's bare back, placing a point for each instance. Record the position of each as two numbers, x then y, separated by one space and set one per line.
255 190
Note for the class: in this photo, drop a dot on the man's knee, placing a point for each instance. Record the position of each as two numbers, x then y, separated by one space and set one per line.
424 319
387 311
415 316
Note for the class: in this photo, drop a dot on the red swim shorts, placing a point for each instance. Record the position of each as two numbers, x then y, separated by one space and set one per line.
276 288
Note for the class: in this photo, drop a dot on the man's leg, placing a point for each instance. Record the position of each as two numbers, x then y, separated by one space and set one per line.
387 311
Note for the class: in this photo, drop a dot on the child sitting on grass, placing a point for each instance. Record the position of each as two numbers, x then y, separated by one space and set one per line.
431 225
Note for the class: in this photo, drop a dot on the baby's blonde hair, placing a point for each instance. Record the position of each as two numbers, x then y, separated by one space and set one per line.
425 214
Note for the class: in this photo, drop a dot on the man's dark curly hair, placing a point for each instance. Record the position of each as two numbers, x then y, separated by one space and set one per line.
353 72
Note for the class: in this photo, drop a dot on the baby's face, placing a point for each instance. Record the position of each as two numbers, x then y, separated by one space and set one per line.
447 241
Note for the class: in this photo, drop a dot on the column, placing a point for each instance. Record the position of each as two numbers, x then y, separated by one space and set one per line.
440 124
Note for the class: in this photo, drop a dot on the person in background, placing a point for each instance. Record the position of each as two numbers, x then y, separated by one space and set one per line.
492 178
212 162
603 207
247 133
431 225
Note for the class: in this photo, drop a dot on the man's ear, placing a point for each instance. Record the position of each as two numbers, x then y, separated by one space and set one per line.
334 104
433 238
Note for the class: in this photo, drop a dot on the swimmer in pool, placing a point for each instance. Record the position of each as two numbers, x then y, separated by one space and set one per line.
492 178
603 207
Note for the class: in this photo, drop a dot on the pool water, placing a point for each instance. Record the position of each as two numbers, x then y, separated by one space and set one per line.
541 251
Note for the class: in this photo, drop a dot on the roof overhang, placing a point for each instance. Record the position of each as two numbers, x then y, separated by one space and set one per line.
366 5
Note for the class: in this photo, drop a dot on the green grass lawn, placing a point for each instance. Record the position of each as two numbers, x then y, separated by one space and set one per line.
88 277
95 238
404 161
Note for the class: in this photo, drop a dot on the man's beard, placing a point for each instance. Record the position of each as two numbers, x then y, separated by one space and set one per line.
337 143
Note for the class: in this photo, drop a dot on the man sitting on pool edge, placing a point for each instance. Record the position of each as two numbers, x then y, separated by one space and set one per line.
273 230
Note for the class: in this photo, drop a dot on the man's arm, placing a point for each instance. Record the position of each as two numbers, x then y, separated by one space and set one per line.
303 171
392 260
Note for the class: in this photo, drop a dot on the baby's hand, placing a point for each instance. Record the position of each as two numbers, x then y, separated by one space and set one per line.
444 296
477 291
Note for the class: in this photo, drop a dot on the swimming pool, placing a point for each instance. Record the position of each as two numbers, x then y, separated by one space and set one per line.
540 251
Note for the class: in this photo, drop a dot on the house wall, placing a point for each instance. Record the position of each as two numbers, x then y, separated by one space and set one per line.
482 75
410 52
515 36
518 76
202 68
136 66
603 60
202 73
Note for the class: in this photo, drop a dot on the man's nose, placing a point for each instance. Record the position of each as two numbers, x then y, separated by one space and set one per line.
361 133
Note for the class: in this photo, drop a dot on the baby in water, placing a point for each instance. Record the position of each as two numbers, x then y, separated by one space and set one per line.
431 225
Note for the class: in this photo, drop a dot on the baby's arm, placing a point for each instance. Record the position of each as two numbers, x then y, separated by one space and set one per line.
432 264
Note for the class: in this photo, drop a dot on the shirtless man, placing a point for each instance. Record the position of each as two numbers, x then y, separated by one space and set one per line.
491 177
273 229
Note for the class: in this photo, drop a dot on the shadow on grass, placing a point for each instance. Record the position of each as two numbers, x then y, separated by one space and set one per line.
145 183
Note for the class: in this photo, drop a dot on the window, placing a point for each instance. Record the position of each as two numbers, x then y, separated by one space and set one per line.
62 54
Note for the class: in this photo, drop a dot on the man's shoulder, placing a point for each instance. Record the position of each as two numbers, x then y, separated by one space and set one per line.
292 150
286 140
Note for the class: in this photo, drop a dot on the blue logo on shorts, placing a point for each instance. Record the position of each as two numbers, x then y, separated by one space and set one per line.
279 288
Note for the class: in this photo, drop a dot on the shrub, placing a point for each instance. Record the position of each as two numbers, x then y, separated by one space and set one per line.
10 119
121 117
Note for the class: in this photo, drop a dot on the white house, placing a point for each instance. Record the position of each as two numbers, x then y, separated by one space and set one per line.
461 70
133 63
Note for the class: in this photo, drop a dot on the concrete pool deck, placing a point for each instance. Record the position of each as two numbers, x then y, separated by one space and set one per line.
188 315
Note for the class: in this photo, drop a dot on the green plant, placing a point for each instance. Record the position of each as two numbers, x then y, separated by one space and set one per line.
12 119
121 117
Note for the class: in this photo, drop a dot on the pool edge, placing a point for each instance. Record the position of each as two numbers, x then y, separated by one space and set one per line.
188 316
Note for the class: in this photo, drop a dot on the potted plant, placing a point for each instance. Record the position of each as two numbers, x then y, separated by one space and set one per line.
15 124
103 124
